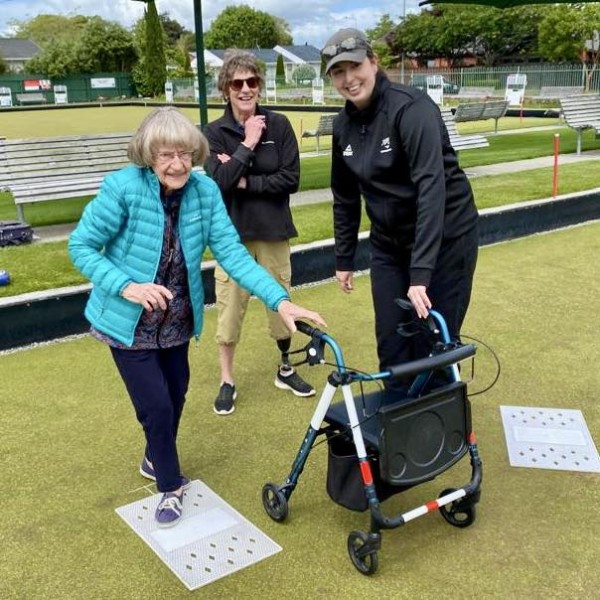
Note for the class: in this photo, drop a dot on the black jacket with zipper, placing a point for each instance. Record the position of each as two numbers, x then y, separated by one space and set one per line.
397 154
272 172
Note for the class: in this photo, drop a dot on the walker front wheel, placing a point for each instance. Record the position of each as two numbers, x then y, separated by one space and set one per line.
363 553
460 513
275 502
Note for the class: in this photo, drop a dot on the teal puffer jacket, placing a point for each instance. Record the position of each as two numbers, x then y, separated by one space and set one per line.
119 239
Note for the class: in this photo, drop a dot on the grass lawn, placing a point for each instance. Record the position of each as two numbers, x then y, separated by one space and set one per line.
71 450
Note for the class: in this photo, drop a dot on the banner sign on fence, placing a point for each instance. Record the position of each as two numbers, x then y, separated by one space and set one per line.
35 85
103 82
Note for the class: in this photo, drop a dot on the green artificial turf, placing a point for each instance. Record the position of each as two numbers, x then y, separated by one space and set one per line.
71 447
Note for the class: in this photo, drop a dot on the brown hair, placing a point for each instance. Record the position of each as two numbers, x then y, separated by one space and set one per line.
242 60
166 126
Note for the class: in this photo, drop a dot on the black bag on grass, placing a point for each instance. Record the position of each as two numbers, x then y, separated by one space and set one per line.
13 233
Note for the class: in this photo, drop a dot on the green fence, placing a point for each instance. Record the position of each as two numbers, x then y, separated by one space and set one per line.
81 88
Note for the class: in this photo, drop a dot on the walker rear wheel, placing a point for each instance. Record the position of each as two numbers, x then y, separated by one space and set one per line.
362 553
275 502
460 513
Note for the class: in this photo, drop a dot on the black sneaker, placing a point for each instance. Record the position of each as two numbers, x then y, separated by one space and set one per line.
290 380
224 401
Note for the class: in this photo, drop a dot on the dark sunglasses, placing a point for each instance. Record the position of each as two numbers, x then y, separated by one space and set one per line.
237 84
350 43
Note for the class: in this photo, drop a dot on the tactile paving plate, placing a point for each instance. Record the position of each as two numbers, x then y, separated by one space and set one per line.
211 541
549 438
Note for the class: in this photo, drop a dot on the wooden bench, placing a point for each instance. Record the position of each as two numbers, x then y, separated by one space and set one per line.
41 169
557 92
324 127
458 141
580 113
481 111
475 92
31 98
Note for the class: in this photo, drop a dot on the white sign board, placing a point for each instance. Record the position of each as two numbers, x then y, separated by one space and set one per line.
271 90
515 89
169 91
60 94
5 96
318 96
435 88
97 83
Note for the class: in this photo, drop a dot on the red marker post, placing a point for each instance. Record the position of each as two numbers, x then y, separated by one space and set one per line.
555 170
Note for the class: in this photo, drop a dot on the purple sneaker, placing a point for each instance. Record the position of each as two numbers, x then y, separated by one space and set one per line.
147 471
169 510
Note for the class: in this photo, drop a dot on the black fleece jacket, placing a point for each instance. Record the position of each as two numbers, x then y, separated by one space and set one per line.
272 172
397 154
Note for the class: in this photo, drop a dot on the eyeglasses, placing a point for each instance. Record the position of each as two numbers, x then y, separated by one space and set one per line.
184 156
351 43
237 84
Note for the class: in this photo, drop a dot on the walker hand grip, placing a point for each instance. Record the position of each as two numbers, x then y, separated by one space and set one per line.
307 329
437 361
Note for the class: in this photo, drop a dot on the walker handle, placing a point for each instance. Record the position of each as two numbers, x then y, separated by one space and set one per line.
436 361
308 330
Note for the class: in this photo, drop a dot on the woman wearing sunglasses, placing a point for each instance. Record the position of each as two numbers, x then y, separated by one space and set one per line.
140 241
391 147
255 161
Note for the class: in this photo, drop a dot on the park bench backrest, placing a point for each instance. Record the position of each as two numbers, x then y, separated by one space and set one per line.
581 112
31 97
40 169
458 141
549 91
481 111
475 92
324 127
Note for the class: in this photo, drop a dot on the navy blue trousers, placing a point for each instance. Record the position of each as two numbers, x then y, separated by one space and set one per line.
157 382
449 292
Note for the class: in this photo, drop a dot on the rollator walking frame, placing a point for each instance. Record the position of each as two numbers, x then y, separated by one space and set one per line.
408 440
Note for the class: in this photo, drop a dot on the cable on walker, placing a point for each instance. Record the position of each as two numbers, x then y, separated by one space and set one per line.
405 440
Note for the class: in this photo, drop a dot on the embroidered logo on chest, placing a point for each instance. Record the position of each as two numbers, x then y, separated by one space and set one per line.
385 146
348 151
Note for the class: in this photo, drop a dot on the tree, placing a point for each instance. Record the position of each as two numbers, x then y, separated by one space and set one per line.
280 69
46 30
377 35
3 66
97 46
304 74
173 30
243 27
570 33
150 73
452 32
285 35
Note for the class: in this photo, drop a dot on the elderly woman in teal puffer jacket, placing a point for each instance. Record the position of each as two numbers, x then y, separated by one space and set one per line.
140 241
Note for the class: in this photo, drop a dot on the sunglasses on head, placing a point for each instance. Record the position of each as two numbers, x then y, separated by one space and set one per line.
237 84
351 43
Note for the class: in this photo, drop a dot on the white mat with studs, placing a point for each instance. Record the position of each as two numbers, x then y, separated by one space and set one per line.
549 438
211 541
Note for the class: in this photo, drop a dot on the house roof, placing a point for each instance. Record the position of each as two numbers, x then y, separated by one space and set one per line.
306 52
17 49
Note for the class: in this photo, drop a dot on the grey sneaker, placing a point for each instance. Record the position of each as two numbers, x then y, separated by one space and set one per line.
290 380
224 401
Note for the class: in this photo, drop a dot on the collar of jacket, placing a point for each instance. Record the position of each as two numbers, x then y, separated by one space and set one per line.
230 122
366 115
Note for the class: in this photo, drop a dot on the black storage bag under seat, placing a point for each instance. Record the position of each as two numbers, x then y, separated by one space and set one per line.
344 480
14 233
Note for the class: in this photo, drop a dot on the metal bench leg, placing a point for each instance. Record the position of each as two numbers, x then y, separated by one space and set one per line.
20 213
579 132
317 143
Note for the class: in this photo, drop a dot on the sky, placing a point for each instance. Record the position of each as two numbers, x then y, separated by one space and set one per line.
311 21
